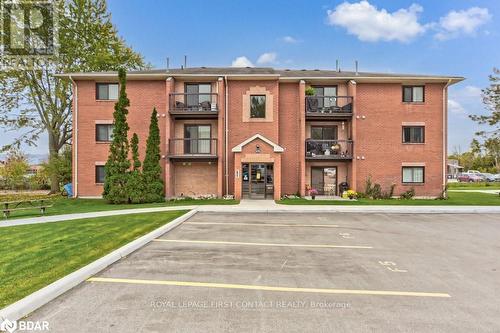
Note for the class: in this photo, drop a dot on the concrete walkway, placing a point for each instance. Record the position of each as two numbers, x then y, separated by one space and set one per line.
478 191
266 206
67 217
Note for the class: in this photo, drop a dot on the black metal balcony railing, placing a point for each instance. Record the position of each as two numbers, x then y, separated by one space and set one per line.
192 147
191 102
326 105
329 149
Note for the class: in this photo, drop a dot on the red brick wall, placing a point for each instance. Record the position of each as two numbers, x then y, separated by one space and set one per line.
143 95
195 178
379 136
290 127
239 131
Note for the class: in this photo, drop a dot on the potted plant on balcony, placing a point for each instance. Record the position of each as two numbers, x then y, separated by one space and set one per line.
309 91
313 193
335 148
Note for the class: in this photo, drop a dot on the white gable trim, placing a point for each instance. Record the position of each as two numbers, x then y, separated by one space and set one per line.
276 148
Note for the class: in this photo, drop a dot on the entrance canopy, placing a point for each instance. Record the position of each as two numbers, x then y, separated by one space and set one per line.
276 148
257 168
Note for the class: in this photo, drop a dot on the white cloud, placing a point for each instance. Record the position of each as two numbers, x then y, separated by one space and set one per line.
455 107
472 92
241 62
290 40
267 58
463 22
370 24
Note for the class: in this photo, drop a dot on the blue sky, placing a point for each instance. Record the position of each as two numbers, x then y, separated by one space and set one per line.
453 37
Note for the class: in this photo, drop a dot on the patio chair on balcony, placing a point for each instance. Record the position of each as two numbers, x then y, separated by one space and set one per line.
346 108
206 106
180 105
311 105
313 149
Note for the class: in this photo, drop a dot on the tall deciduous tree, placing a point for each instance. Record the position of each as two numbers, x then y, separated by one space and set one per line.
151 168
491 136
117 167
33 102
491 99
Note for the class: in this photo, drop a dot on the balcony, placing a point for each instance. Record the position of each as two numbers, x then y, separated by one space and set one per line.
193 105
328 107
328 149
192 149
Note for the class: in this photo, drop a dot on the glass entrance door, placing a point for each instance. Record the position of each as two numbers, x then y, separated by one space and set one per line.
257 180
324 180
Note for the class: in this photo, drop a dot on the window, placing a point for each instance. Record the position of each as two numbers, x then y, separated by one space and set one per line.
103 132
107 91
413 175
324 133
100 174
413 94
197 139
257 106
329 95
413 134
198 94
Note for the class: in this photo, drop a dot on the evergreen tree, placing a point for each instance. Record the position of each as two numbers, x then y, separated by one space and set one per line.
151 169
135 184
118 165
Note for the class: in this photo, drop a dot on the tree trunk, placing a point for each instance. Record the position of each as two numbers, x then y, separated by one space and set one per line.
53 153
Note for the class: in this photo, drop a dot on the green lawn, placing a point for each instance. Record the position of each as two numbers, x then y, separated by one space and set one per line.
455 199
69 206
33 256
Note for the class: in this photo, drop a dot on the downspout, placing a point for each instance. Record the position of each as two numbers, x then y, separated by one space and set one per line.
445 134
75 135
226 132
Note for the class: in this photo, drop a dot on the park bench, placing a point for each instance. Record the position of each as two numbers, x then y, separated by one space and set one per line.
13 206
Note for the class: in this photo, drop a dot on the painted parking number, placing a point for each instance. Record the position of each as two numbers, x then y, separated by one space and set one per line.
392 266
345 235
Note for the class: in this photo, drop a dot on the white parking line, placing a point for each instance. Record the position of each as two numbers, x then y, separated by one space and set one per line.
266 224
263 244
271 288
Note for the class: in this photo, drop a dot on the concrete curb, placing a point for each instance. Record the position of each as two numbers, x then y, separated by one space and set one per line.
358 209
41 297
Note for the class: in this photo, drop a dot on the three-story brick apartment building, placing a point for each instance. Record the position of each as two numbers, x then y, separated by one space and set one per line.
263 133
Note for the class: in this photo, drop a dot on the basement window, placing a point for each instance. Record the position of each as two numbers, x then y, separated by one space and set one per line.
100 174
413 175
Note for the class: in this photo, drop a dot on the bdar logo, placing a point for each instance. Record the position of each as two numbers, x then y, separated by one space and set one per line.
8 326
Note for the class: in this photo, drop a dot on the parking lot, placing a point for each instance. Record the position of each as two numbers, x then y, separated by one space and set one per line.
297 273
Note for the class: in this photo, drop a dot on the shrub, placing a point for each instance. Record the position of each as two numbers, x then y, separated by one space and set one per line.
408 195
368 187
376 192
388 195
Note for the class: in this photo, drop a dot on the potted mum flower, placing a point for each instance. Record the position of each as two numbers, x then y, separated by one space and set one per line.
352 194
313 193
